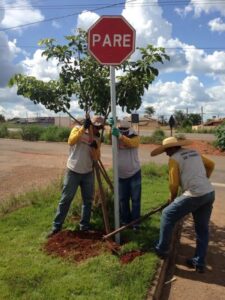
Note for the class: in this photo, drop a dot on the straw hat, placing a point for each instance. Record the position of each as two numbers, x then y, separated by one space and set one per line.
97 121
124 124
169 143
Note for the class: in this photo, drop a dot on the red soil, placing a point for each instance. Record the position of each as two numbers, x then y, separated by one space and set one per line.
130 256
206 148
78 246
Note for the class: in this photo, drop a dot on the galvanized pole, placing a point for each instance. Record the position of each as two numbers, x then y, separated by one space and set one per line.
115 153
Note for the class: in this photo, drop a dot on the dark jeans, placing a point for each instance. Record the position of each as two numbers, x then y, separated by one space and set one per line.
201 208
130 188
71 182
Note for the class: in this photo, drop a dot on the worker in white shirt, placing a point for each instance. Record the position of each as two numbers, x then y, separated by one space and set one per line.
129 171
84 149
190 171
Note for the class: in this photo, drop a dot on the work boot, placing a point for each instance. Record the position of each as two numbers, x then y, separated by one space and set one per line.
190 262
53 232
160 254
84 228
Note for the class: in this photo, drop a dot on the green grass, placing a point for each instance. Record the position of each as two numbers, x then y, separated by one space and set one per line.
28 273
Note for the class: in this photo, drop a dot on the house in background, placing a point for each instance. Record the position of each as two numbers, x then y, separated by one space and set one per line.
211 124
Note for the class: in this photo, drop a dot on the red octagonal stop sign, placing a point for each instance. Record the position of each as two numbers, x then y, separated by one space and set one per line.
111 40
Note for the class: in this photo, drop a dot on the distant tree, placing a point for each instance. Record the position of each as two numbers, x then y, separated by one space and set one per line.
2 119
83 78
186 123
162 120
180 117
149 111
195 119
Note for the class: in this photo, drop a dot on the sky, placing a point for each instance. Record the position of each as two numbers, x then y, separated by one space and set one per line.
191 31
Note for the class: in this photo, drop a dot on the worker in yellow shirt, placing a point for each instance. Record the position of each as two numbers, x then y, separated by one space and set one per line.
190 171
84 149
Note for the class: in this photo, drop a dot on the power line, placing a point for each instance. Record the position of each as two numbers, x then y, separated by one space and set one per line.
61 17
69 6
128 3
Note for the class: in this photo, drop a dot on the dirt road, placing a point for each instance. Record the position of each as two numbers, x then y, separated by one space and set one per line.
28 165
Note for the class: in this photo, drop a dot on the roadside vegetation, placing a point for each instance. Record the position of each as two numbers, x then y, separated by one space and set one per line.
220 137
60 134
27 272
188 129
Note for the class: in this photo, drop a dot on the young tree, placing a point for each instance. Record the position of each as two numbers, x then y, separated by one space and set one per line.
83 77
149 111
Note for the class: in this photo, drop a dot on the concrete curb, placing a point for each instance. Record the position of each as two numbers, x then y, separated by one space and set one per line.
165 265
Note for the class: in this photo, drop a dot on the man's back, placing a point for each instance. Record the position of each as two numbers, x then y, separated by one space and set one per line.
193 178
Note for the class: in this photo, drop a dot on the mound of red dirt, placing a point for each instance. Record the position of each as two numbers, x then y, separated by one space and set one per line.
79 246
202 147
205 148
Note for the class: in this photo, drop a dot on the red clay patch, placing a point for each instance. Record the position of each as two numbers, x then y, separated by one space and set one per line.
79 246
130 256
206 148
202 147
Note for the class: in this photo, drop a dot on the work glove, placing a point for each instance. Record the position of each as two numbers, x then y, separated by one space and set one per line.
116 132
110 121
87 123
94 145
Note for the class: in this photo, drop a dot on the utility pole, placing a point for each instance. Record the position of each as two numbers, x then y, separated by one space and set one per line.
202 114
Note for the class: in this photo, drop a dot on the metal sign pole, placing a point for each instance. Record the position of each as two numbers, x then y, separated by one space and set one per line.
115 153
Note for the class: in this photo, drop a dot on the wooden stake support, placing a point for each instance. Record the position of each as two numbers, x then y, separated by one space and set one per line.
102 196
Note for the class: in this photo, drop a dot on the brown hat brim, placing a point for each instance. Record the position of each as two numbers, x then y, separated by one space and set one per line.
162 148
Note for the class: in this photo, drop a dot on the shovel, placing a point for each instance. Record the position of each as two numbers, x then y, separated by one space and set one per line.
142 218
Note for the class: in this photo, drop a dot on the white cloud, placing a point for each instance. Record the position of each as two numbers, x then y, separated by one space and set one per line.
38 67
217 25
8 51
203 6
15 17
12 105
151 28
86 19
199 61
166 97
149 24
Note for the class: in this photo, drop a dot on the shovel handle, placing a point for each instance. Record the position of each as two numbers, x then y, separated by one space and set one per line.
153 211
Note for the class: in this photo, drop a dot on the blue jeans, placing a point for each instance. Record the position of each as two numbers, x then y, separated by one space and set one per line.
130 188
71 182
201 208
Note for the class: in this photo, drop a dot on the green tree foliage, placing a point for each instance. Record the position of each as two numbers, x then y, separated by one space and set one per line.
220 137
83 78
195 119
2 118
3 131
149 111
186 123
185 120
179 117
